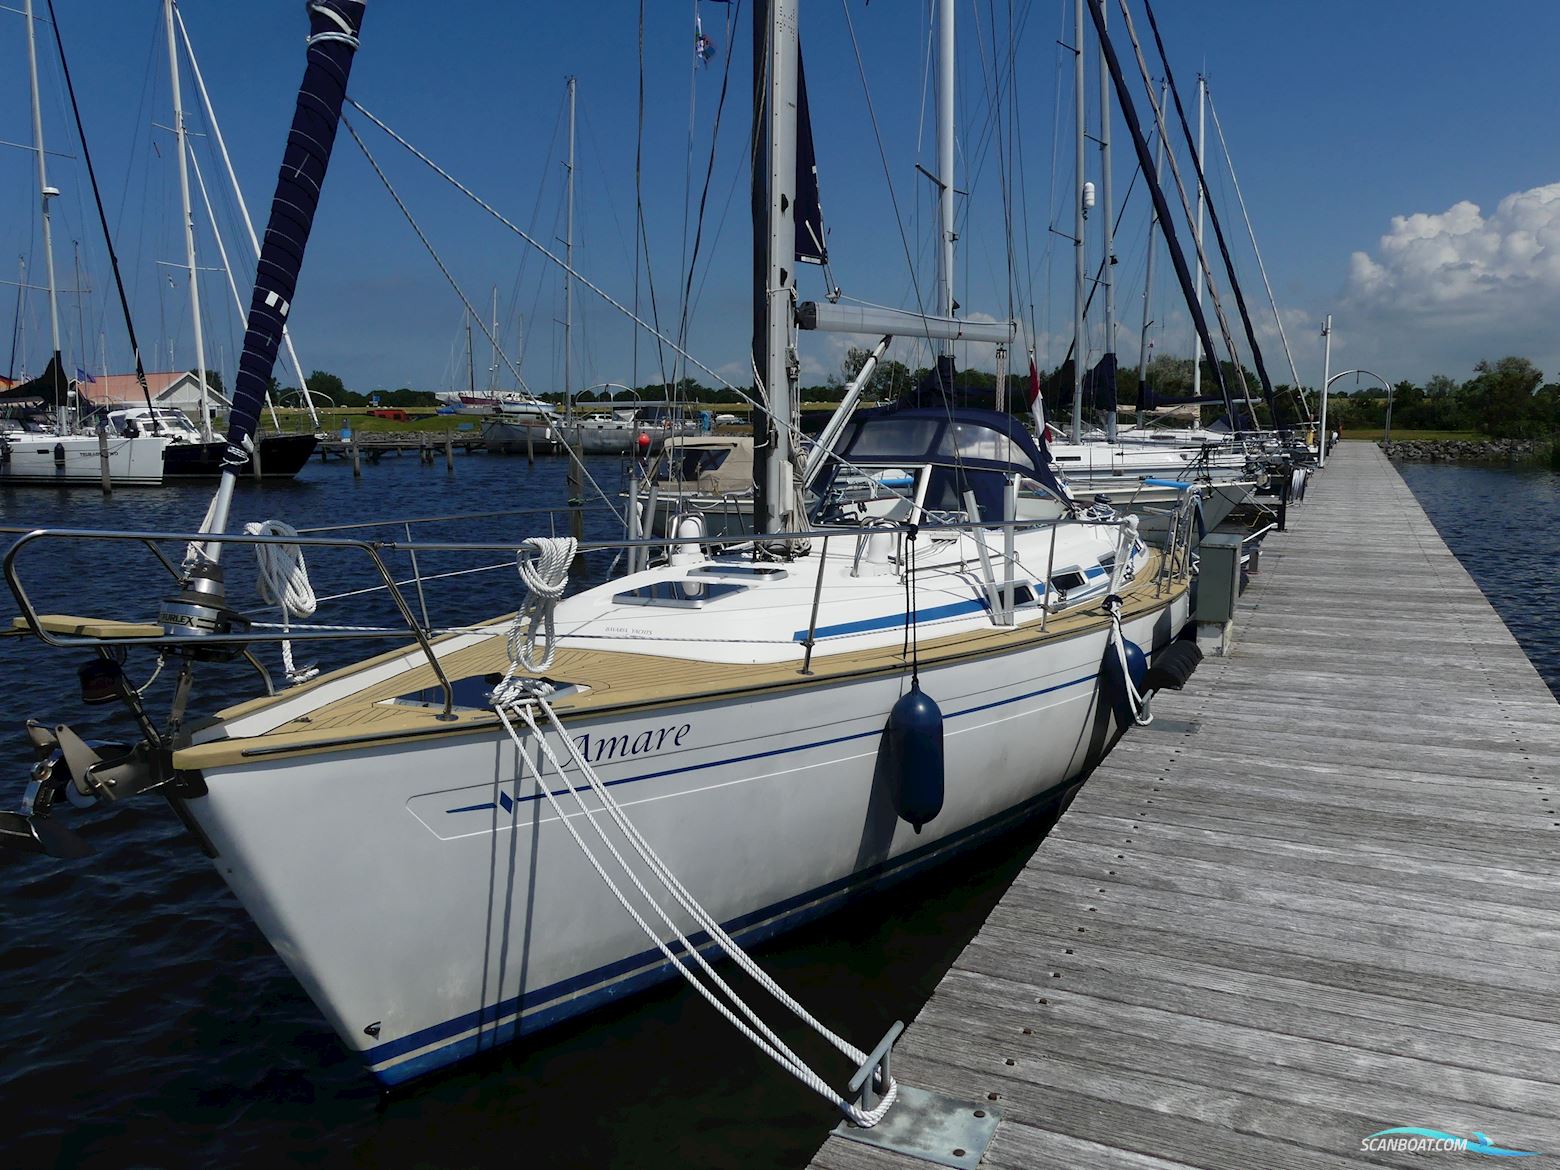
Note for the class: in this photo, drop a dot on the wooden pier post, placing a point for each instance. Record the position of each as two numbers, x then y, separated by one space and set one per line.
576 500
357 462
449 451
254 462
108 479
530 447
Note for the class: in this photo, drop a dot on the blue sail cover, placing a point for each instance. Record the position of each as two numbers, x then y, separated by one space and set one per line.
1156 192
811 245
333 40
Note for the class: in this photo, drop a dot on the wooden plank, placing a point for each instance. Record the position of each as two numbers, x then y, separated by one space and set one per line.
1317 901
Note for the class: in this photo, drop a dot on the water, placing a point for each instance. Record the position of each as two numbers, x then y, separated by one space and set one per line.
147 1021
1504 526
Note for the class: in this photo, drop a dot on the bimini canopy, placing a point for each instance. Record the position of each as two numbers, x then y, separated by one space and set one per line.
973 447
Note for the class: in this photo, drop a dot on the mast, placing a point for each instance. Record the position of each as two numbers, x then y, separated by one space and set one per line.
333 42
945 194
1321 458
45 193
1080 348
1108 232
189 222
774 241
1197 354
243 210
568 264
471 362
81 326
1148 278
493 369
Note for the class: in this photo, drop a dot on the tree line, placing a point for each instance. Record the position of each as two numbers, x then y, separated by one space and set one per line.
1505 398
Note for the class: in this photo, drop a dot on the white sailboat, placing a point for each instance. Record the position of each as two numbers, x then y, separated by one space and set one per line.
413 840
38 449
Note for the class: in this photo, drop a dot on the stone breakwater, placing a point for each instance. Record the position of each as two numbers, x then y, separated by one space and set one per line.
1469 451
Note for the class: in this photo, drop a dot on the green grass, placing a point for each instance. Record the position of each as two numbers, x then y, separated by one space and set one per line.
1403 436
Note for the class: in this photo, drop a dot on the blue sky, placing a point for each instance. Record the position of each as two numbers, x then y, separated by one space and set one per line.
1398 160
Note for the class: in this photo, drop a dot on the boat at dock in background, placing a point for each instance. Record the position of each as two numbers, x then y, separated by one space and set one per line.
513 424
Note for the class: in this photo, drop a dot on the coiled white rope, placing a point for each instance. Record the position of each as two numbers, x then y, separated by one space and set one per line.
546 576
750 1025
284 582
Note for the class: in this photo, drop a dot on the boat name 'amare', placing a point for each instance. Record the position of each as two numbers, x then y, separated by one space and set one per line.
599 748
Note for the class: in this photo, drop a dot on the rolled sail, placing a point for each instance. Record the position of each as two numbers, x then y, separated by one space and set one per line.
811 240
333 40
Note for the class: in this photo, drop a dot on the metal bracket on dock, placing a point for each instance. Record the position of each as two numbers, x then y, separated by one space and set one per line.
932 1127
921 1123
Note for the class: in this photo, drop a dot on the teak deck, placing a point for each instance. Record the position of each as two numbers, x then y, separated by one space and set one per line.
1319 898
616 680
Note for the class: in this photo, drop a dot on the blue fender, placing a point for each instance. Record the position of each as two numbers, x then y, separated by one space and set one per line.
1113 683
913 740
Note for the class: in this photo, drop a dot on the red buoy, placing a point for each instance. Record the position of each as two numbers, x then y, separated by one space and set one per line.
644 441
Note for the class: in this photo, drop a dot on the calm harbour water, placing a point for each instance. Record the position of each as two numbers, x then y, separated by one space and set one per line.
148 1022
1504 526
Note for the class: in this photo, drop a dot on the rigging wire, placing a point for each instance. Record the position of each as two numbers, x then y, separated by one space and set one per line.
704 194
465 301
530 239
1296 392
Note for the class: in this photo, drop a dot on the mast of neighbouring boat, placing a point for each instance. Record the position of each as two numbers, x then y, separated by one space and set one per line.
493 368
471 362
81 324
189 222
1148 276
945 145
1197 235
1080 348
568 262
1107 366
243 210
45 193
333 41
774 241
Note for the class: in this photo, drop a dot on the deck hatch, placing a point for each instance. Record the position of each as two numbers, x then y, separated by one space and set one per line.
683 594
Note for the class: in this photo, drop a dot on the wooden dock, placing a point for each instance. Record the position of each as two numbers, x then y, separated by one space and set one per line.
428 446
1318 898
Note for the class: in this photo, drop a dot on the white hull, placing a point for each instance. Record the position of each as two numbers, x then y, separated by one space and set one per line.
76 460
611 437
513 436
424 893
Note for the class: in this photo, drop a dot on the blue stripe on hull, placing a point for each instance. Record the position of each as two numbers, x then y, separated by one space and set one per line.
487 805
586 993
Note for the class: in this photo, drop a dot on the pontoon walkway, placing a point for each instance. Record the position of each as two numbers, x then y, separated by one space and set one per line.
1319 898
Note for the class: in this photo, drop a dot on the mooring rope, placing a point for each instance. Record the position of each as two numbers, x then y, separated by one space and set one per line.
284 582
1122 572
748 1023
546 576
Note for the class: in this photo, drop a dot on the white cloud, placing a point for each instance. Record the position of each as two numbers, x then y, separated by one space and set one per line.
1444 290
